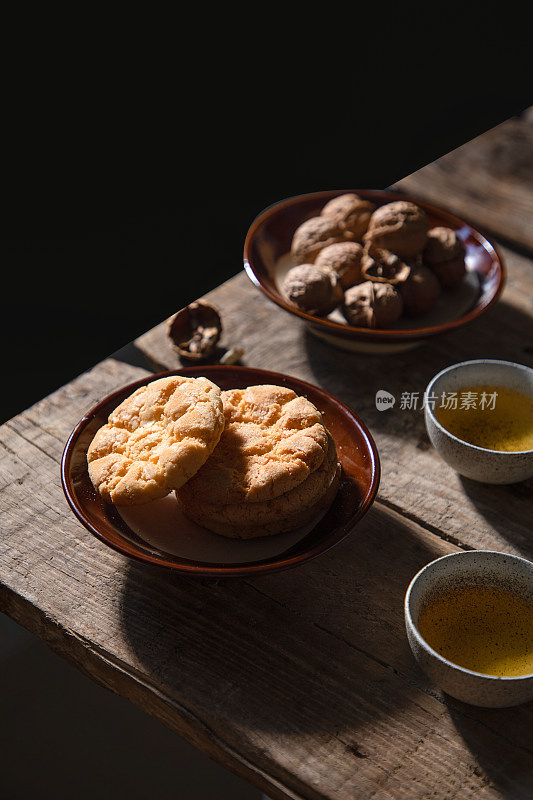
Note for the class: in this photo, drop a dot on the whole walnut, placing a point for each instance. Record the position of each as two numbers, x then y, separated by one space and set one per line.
311 236
417 284
420 291
344 258
351 212
372 305
400 226
445 254
313 289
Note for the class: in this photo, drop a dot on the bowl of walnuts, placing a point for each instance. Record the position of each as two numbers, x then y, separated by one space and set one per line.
371 270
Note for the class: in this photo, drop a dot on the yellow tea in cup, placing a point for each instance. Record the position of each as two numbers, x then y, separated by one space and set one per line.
500 418
481 628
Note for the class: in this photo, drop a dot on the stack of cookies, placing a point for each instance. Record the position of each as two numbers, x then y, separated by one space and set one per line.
274 469
243 463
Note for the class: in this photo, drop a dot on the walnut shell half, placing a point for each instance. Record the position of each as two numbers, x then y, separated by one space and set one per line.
382 266
195 330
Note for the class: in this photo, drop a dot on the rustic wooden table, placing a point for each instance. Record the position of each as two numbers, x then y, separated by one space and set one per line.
301 682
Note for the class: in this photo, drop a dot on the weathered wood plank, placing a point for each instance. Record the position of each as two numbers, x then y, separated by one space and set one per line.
487 181
302 683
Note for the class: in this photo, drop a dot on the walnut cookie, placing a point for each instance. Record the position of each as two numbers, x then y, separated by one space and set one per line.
285 512
272 441
243 463
156 439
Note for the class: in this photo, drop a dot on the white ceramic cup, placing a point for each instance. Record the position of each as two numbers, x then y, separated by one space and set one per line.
479 463
471 567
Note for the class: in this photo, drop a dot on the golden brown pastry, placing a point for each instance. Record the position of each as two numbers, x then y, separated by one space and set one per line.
156 439
285 512
272 441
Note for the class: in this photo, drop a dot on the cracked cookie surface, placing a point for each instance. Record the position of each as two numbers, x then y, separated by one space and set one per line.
272 441
285 512
156 439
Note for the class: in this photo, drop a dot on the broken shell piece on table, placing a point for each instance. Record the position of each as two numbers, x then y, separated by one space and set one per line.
195 330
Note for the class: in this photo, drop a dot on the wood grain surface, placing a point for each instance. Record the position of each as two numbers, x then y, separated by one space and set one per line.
488 181
302 682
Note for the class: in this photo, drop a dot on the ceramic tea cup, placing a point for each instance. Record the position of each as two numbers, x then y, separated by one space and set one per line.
471 460
448 574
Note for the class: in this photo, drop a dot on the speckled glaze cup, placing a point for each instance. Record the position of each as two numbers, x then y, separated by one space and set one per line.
479 463
472 567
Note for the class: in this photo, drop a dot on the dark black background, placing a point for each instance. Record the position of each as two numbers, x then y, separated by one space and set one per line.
129 184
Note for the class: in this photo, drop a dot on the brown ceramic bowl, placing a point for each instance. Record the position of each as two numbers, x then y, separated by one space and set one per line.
266 260
158 534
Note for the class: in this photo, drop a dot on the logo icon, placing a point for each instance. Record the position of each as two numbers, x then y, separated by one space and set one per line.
384 400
